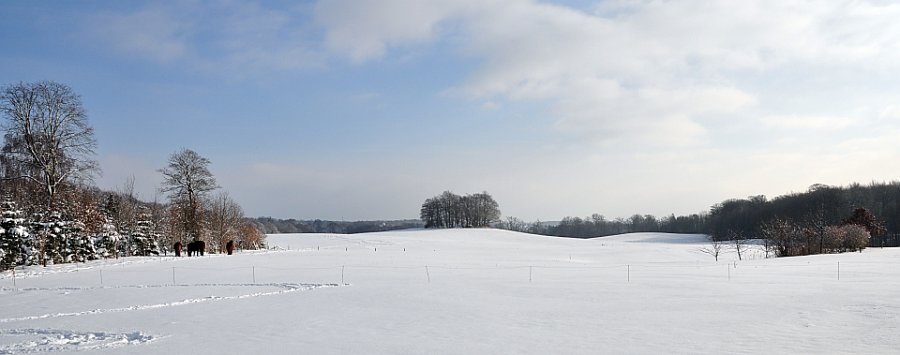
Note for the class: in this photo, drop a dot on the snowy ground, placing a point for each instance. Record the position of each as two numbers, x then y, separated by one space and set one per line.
459 292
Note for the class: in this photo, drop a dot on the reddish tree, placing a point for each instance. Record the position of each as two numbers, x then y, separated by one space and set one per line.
863 218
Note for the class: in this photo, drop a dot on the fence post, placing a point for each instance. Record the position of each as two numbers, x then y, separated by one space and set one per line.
101 277
173 276
342 274
427 274
254 273
14 276
628 271
839 271
530 269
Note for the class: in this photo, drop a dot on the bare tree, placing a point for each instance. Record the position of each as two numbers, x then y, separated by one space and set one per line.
47 136
537 227
225 218
738 243
125 213
158 222
714 248
251 237
187 180
515 224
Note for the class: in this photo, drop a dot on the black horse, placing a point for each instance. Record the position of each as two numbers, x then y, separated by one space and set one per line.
229 247
177 248
196 247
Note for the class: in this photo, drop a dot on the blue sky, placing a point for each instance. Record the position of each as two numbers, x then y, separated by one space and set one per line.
361 109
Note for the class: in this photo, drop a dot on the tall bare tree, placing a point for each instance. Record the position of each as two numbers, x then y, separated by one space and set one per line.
48 140
187 179
225 220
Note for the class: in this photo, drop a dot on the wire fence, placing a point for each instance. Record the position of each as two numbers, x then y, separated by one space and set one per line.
646 272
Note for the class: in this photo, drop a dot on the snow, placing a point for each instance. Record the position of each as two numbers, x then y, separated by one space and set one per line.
458 291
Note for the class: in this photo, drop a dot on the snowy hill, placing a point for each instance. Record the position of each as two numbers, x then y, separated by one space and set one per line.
459 292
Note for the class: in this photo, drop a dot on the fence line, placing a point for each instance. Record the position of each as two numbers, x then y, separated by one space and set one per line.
640 272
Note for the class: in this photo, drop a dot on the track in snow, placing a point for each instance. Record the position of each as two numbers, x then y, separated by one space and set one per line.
26 341
285 288
55 340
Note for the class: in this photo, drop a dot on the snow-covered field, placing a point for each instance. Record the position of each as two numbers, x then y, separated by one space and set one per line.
459 292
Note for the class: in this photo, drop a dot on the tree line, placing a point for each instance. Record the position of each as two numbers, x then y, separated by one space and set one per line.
819 205
275 225
449 210
52 213
824 219
814 221
598 225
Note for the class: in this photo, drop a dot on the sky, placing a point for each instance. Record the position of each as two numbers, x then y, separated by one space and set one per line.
362 109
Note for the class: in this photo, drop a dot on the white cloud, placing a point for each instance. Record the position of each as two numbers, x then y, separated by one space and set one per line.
226 36
628 69
795 122
149 32
365 29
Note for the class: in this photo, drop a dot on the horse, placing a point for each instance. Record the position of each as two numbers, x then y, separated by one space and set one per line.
178 247
196 247
229 247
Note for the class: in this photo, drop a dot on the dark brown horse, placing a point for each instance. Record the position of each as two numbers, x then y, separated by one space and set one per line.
178 247
196 247
229 247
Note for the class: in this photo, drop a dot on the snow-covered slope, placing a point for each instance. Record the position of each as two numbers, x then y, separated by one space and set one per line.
459 292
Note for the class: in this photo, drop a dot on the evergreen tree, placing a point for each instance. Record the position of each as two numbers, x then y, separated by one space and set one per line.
107 241
143 239
53 243
81 245
15 242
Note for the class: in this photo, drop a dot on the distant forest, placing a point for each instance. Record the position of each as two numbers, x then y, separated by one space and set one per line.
273 225
820 205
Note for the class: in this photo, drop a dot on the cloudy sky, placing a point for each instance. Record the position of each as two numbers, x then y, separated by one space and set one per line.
361 109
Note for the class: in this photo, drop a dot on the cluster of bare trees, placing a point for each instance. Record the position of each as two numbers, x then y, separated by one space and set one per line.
226 221
51 212
785 237
518 225
195 214
449 210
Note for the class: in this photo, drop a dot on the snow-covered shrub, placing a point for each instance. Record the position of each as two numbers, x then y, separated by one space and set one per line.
64 241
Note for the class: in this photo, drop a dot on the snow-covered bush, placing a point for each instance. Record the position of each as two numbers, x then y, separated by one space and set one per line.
63 241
